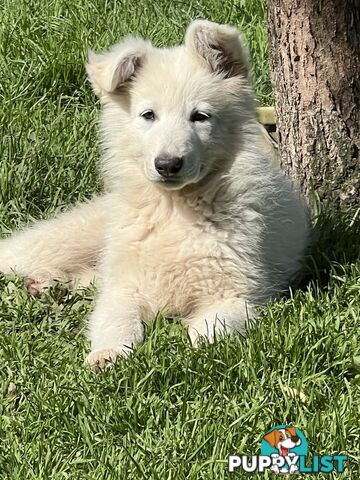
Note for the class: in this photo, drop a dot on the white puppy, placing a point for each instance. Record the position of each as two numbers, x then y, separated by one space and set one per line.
196 220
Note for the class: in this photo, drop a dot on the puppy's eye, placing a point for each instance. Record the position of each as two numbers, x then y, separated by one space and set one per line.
148 115
199 116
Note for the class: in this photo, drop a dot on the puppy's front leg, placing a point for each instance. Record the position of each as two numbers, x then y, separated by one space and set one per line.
115 326
214 319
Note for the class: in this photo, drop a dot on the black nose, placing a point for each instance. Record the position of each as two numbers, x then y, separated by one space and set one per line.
295 438
168 166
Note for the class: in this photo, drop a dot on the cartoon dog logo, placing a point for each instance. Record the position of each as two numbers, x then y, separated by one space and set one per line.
283 440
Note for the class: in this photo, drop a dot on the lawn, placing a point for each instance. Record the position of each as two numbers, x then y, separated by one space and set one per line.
170 412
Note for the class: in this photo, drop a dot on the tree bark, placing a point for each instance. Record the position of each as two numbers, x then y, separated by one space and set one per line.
314 50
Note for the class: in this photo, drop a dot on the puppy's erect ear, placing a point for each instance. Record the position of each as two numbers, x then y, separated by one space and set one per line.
221 46
291 430
110 70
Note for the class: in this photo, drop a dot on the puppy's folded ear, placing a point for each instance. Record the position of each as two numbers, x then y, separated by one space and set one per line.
113 69
272 437
220 46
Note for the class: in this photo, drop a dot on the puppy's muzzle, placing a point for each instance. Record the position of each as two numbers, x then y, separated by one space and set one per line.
168 166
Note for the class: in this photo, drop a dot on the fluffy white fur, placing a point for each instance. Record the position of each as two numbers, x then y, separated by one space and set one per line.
227 234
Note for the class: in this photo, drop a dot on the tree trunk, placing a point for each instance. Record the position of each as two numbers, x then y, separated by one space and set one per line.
315 61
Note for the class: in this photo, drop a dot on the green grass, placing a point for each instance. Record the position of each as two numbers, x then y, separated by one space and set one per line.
171 412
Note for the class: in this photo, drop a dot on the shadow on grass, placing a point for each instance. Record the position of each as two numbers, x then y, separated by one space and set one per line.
336 243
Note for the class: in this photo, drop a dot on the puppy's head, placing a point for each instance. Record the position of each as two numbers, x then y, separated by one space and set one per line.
283 439
175 114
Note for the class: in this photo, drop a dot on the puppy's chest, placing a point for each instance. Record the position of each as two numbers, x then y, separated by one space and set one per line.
177 257
175 237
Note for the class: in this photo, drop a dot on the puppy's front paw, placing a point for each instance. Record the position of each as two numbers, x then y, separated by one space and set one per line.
104 358
229 318
275 469
35 286
206 330
100 359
